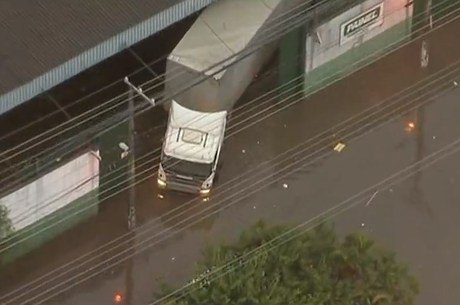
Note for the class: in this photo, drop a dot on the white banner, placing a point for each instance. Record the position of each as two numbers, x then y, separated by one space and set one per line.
365 21
53 191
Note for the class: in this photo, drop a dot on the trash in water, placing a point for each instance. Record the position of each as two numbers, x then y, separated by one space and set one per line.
339 147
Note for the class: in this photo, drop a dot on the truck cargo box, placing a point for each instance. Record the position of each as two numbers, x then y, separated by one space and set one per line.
225 28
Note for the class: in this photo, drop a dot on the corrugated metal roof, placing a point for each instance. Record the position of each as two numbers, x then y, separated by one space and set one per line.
44 42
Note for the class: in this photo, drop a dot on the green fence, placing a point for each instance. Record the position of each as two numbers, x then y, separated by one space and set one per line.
353 59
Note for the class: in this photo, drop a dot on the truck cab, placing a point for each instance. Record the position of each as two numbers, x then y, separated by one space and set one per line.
191 150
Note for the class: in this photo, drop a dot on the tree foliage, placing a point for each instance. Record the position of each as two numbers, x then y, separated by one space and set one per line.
316 268
5 223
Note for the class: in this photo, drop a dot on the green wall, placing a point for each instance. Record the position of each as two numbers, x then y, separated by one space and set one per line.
113 169
357 57
292 58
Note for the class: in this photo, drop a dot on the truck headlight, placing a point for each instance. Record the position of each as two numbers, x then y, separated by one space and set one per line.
161 183
204 192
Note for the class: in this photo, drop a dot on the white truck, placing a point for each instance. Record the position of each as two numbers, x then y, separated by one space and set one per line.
191 149
197 116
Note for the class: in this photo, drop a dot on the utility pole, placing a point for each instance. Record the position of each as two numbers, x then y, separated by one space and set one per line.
132 165
139 91
129 281
132 198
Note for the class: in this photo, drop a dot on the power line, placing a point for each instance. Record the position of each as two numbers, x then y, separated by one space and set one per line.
294 167
123 117
118 192
148 108
273 35
82 99
120 184
307 225
4 180
246 52
369 56
243 190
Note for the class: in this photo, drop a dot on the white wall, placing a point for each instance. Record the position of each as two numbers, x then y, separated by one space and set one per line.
53 191
394 12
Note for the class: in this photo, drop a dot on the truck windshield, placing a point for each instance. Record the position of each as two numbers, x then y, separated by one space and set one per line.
186 168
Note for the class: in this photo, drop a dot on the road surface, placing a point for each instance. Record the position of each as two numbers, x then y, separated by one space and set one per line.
416 218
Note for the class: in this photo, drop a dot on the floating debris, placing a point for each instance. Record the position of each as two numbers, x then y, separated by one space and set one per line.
424 56
160 196
243 151
285 185
339 147
372 198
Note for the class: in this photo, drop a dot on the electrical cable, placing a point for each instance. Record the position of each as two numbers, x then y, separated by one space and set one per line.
82 99
217 71
447 7
216 65
4 181
302 160
273 36
154 167
309 224
147 66
294 167
23 216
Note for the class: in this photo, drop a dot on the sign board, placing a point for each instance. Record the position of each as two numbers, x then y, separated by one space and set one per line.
367 20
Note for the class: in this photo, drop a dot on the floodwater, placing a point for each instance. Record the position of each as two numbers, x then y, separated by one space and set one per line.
417 218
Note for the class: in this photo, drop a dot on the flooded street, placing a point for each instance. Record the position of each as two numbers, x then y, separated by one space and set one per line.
280 165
